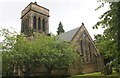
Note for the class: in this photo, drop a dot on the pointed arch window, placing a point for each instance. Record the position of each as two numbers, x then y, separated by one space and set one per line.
86 56
43 25
81 45
90 52
34 22
39 23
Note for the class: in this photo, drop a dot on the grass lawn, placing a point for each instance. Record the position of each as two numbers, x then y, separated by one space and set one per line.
95 75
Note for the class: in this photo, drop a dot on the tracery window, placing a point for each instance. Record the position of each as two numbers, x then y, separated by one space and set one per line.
84 35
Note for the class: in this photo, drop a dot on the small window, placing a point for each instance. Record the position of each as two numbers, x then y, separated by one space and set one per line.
84 35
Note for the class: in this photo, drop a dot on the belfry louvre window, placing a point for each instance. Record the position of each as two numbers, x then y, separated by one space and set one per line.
43 25
34 22
39 23
23 25
26 24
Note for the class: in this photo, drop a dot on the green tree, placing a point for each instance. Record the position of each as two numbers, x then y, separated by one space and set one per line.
106 47
7 46
109 42
60 29
53 54
39 50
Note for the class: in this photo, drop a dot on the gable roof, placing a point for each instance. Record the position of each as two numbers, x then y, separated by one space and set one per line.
67 36
70 35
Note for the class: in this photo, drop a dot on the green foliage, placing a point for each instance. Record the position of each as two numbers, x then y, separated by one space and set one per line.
105 46
60 29
38 50
109 42
7 49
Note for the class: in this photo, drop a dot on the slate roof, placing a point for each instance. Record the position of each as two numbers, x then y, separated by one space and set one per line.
67 36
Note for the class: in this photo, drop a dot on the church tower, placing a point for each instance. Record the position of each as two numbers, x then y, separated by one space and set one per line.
35 18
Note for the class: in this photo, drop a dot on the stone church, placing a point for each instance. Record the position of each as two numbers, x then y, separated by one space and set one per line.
35 18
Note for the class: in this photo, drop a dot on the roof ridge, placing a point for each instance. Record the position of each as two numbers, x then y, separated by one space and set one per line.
70 30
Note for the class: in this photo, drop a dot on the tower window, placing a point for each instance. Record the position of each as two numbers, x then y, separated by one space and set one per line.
43 25
26 24
22 27
34 22
39 23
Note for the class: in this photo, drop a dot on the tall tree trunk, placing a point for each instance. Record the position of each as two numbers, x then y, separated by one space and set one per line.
49 69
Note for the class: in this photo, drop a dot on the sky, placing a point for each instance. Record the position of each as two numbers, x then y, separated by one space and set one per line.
70 12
